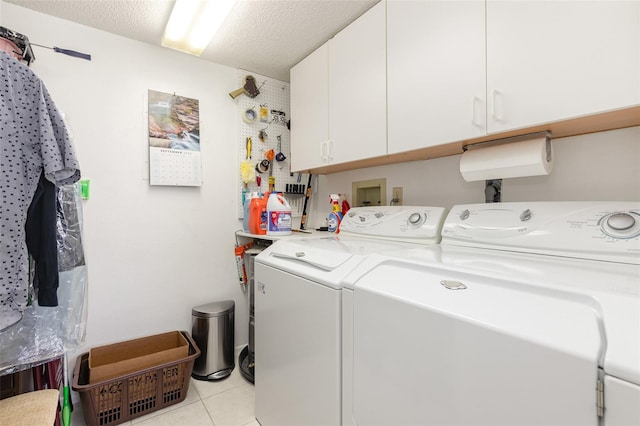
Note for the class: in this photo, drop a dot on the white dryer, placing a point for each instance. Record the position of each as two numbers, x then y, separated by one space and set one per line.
530 315
298 339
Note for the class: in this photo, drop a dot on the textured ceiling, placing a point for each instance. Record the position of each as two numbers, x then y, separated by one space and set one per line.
264 36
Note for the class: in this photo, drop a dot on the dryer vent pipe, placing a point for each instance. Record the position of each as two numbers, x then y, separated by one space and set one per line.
493 191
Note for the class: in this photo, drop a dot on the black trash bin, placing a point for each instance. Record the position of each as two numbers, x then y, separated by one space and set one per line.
246 359
212 330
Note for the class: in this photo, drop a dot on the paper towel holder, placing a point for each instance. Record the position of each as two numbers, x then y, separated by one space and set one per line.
544 133
499 161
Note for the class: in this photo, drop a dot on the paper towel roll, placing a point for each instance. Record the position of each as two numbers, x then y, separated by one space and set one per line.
526 158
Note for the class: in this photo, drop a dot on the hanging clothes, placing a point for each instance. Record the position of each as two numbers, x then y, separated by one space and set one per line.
40 230
33 141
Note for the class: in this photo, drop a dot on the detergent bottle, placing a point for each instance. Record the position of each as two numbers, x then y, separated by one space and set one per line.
258 214
278 215
263 213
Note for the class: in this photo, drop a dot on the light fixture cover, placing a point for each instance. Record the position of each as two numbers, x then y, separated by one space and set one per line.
193 23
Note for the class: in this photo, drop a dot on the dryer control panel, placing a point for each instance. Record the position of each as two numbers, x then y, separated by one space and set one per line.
608 231
416 224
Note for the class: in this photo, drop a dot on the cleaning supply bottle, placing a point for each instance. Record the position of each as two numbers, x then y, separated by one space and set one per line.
242 273
334 199
334 222
263 213
246 212
345 207
255 214
336 213
278 215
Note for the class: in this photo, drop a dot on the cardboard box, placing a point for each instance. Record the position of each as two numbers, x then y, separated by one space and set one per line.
118 359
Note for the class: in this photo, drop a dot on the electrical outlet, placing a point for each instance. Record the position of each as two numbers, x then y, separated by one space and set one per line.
396 197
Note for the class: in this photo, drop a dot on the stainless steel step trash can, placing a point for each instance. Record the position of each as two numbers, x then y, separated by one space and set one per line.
212 328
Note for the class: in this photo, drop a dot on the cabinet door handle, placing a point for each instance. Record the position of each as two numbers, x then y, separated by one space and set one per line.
323 150
476 106
497 110
330 150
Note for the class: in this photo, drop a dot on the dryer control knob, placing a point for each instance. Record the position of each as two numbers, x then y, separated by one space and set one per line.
621 221
465 214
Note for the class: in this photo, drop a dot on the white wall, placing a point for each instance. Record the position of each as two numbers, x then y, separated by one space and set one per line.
153 253
600 166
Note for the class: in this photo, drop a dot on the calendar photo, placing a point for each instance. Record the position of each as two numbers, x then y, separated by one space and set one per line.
174 140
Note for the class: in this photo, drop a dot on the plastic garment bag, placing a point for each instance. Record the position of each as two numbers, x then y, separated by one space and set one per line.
44 333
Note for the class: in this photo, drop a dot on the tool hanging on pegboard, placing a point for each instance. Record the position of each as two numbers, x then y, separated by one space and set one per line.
307 194
249 89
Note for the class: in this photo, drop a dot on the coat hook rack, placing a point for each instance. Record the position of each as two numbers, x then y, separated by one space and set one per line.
67 52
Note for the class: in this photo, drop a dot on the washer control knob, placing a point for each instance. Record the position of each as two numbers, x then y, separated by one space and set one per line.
620 221
620 225
465 214
414 219
525 215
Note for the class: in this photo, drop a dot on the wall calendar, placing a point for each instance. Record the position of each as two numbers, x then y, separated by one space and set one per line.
174 140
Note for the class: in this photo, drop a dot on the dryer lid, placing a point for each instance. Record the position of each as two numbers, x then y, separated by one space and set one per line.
530 347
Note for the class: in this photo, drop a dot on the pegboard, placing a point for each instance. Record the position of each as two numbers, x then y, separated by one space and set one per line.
274 96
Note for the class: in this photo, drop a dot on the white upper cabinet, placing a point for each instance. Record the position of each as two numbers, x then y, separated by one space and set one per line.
435 72
552 60
415 74
310 110
338 97
358 90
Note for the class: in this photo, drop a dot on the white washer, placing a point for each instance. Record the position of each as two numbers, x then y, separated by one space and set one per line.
528 314
298 310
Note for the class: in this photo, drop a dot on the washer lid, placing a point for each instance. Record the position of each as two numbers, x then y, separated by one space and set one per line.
320 258
324 260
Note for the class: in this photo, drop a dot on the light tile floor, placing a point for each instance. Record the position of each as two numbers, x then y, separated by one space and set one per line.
228 402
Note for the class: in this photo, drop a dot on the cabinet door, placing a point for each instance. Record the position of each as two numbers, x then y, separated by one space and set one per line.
551 60
357 89
309 111
436 72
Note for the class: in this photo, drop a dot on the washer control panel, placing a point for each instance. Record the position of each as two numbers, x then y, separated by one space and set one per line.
412 223
591 230
621 224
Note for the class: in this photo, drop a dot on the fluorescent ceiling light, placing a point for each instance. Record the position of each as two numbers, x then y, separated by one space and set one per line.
193 23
